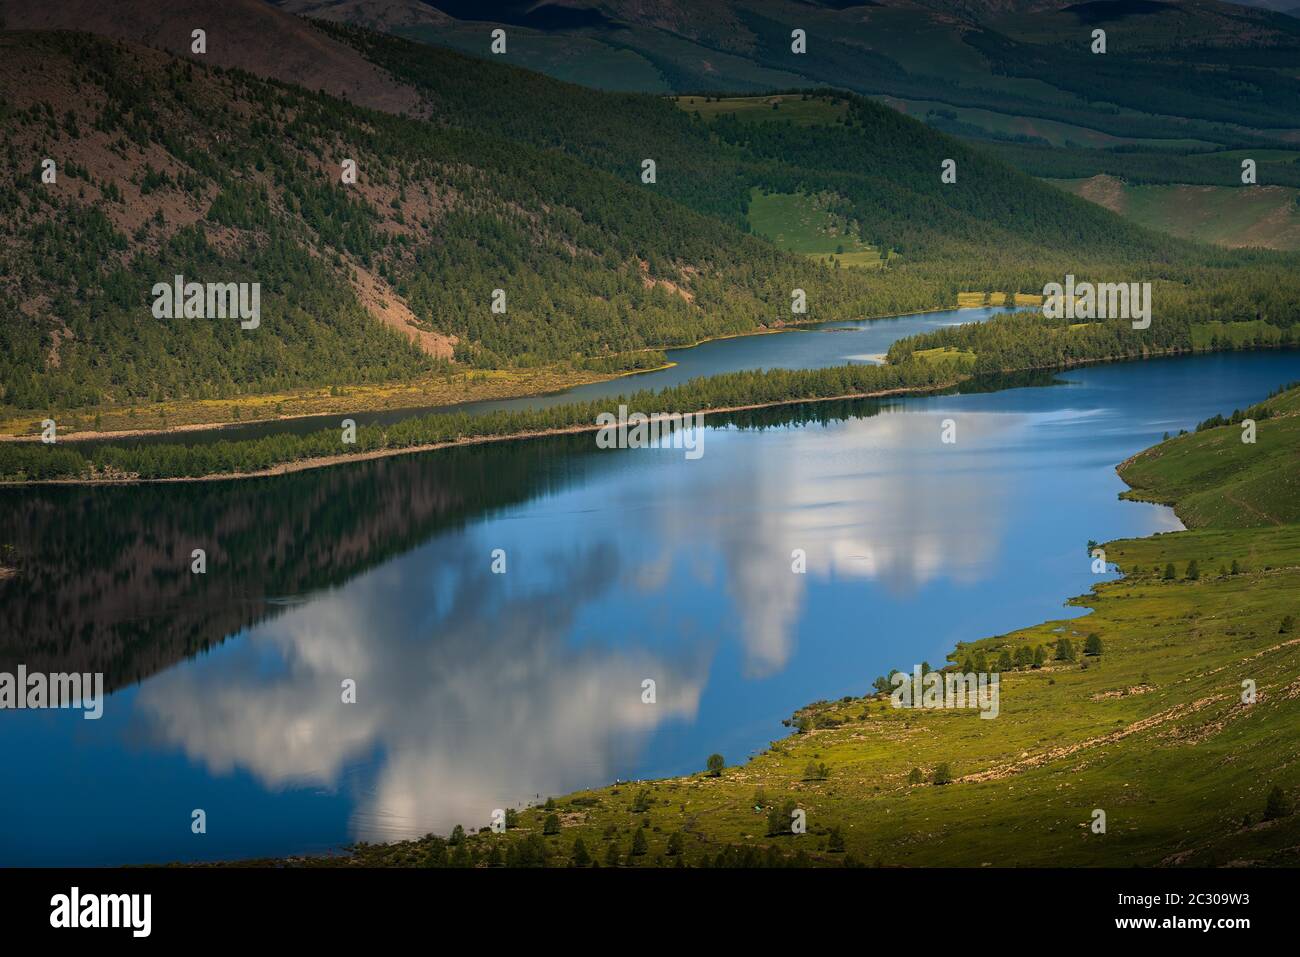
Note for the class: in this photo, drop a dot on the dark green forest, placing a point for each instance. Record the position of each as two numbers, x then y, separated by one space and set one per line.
1011 343
32 461
885 164
1242 91
1027 340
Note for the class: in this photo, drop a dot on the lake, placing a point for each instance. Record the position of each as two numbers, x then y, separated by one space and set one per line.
477 690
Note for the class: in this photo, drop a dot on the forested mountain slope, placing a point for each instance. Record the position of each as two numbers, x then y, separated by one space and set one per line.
992 228
1196 59
1180 89
165 168
888 167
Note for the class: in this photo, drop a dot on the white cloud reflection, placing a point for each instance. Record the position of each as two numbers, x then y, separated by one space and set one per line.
482 704
875 498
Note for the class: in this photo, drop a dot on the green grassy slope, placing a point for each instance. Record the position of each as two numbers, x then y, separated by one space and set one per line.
1153 730
810 226
801 110
1217 479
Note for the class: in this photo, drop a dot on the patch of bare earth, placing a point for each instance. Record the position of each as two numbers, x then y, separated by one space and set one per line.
1105 191
650 283
106 157
386 306
1122 692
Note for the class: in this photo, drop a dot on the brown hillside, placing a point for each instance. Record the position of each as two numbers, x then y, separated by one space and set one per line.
247 34
147 217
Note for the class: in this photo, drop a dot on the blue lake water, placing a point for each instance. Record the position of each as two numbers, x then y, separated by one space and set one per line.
478 690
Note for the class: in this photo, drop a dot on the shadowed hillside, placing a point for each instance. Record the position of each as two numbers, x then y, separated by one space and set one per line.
101 578
1181 87
244 34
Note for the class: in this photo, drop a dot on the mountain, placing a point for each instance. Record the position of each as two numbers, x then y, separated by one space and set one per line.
1182 85
1024 57
499 178
885 166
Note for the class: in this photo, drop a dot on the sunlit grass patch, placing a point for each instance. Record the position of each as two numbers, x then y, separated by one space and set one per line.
962 357
972 300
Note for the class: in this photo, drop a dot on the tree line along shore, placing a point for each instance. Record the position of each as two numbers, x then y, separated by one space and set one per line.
933 360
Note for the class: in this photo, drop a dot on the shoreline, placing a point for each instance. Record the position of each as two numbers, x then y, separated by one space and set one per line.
303 465
217 427
1098 600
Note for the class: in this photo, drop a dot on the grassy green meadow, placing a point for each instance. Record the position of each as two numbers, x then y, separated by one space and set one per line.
810 225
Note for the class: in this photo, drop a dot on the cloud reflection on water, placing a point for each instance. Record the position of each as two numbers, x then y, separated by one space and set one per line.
876 498
471 693
469 702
